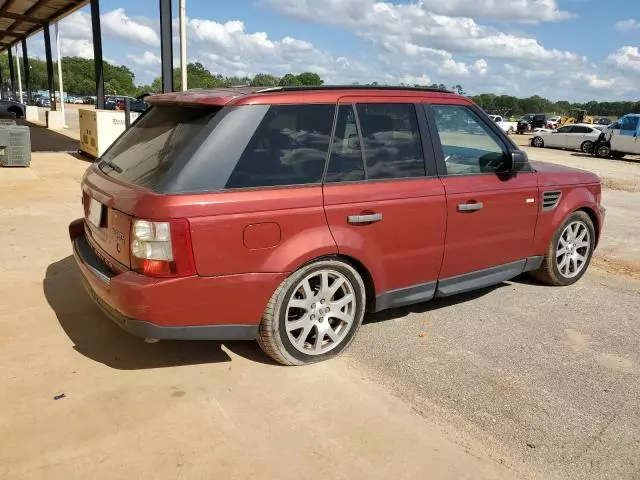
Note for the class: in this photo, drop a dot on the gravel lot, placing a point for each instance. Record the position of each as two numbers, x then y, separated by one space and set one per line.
547 378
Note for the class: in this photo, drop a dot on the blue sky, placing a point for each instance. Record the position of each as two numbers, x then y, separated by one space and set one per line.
573 49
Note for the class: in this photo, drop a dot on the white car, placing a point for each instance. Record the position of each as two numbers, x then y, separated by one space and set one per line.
554 121
572 137
509 127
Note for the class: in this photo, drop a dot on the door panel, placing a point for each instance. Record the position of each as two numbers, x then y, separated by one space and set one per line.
627 136
406 245
381 207
498 233
491 214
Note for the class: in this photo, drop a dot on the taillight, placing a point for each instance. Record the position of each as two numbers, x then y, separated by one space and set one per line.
162 249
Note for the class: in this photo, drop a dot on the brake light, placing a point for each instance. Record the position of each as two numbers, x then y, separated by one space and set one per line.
162 249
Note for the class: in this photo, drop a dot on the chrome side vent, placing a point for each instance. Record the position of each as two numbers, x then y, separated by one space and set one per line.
550 200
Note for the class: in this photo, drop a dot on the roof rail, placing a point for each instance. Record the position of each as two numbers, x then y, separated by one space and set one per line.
350 87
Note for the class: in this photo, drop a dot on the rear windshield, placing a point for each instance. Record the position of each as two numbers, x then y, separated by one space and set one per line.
147 151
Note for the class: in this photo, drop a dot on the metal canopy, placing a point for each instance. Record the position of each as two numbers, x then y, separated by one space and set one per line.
20 19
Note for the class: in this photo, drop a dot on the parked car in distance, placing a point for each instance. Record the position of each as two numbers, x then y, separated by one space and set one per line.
602 121
580 137
10 106
135 105
504 124
529 122
553 122
42 101
620 138
285 214
110 103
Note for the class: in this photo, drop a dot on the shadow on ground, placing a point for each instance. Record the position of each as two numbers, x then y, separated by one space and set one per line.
438 303
45 140
633 160
98 338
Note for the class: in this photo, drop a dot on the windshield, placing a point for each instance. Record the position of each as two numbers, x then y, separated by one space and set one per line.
145 152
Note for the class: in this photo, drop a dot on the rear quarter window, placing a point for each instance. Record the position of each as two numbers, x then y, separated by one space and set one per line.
289 147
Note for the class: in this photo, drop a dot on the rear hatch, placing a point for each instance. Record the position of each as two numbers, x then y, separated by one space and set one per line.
135 167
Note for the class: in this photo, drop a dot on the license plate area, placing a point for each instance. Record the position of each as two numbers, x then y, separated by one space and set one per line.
96 213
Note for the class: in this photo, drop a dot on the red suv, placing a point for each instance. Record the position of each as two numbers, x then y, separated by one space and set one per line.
284 214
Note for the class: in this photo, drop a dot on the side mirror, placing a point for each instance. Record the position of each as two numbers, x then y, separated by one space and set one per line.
517 161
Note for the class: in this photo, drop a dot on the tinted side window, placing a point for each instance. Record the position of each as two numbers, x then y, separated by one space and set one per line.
581 130
289 147
345 163
469 146
564 130
391 141
629 124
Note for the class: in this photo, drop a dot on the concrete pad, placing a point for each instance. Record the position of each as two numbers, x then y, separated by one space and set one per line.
55 120
13 175
31 113
175 409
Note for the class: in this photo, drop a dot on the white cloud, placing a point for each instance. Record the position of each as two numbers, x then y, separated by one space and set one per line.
416 23
626 59
412 80
481 66
76 48
627 25
117 24
241 53
146 59
526 11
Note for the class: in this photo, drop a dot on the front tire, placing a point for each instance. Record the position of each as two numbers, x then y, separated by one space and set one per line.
538 142
586 147
314 314
603 151
569 253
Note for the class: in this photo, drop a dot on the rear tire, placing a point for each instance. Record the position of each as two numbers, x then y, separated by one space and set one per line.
586 147
569 253
537 142
314 314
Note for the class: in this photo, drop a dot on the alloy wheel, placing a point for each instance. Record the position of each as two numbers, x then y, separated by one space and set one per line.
320 312
572 251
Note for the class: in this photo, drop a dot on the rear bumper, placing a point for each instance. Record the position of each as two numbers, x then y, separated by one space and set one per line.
186 308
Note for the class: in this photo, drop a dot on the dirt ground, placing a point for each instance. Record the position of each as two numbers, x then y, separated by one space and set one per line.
520 381
174 410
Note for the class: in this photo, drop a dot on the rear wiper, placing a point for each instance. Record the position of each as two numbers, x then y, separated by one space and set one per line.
110 164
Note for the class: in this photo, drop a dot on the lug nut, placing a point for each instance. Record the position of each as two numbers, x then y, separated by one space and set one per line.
313 305
322 301
313 317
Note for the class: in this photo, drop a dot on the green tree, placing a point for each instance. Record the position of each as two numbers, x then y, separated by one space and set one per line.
310 79
264 80
289 80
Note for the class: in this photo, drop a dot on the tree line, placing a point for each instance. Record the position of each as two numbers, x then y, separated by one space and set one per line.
79 79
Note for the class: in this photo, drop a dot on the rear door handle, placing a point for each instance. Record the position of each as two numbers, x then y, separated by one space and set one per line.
470 207
368 218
